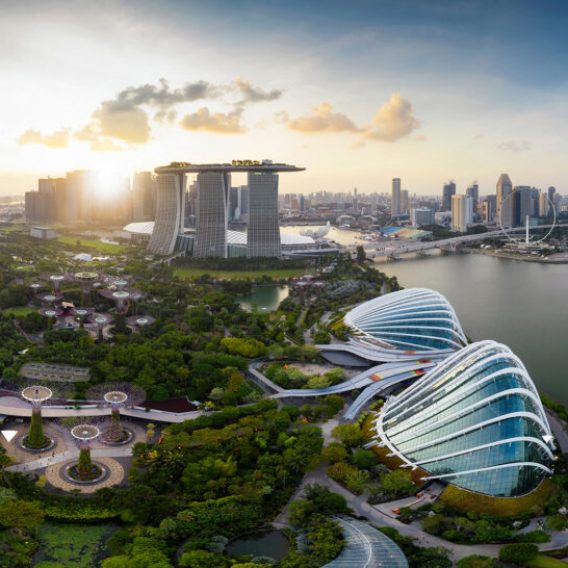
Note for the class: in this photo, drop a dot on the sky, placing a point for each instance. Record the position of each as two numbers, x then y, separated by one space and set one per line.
357 92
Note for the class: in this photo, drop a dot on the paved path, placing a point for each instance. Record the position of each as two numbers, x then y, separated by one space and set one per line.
14 406
115 476
361 508
46 461
559 430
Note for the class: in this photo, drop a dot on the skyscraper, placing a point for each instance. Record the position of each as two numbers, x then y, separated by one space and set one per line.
263 233
522 204
505 206
462 212
404 202
551 201
170 212
489 207
448 191
395 197
473 192
210 193
212 214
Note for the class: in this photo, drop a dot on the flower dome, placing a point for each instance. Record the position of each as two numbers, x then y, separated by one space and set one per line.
415 319
475 420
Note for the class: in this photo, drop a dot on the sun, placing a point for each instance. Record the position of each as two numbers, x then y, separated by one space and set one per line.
110 182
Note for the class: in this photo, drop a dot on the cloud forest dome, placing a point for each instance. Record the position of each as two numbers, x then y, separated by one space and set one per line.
414 319
475 421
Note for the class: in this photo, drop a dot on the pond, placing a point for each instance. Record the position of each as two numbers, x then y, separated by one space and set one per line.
268 543
265 298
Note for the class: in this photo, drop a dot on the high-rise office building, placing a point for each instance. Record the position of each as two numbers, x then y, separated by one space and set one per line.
448 192
212 214
143 196
404 202
170 213
395 197
489 207
462 212
505 205
551 201
523 207
543 206
48 203
422 216
473 192
263 232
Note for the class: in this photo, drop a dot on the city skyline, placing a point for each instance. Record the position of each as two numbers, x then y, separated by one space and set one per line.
422 92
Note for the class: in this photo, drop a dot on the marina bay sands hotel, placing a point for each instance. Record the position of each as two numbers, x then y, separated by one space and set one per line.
213 190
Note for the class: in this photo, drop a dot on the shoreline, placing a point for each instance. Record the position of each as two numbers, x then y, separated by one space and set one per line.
509 256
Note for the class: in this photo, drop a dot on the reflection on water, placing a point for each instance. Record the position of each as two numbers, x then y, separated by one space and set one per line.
266 298
522 304
269 543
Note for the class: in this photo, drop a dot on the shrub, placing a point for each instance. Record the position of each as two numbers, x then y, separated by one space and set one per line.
477 561
518 554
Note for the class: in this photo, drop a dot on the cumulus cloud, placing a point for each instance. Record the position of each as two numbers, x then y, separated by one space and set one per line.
321 119
515 146
57 139
394 120
126 118
252 94
218 122
162 95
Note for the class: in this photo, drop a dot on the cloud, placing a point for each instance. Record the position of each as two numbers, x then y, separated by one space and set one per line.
321 119
126 117
252 94
98 143
57 139
393 121
515 146
111 121
163 96
218 123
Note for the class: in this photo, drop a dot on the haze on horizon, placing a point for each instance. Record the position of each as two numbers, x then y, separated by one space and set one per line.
357 93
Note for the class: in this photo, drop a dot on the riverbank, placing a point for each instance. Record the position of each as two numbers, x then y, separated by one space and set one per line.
558 258
521 304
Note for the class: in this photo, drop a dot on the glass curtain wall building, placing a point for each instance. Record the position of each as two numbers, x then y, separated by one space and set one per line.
475 421
415 319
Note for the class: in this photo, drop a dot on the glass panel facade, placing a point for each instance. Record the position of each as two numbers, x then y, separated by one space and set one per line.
480 396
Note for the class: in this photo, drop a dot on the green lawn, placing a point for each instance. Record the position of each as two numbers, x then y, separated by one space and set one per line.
543 561
70 546
185 272
90 243
19 311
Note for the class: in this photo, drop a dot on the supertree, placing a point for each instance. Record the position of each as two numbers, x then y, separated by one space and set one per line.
138 322
117 396
87 279
36 395
121 298
101 321
85 469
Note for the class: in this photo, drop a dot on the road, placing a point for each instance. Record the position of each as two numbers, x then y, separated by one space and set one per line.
443 243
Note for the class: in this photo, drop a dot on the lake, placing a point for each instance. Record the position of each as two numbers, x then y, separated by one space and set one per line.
521 304
269 543
264 297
